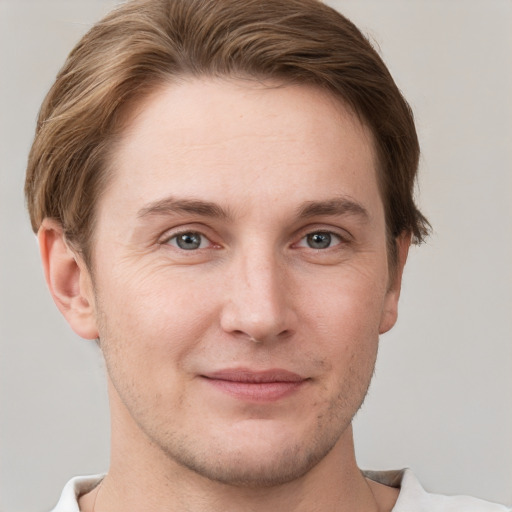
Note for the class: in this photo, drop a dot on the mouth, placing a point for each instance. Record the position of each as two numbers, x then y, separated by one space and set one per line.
259 386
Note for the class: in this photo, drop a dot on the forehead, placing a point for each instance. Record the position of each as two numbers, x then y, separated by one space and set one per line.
242 141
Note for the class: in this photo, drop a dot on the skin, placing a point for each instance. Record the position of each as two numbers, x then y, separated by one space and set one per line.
257 174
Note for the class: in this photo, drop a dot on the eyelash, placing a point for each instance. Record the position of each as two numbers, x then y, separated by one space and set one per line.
326 233
175 236
330 236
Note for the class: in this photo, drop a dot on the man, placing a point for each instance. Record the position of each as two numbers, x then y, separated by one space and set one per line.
222 192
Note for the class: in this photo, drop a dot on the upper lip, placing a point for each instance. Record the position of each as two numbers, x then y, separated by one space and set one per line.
255 376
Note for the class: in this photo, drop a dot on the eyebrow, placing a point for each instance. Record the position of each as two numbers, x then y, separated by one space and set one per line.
336 206
171 205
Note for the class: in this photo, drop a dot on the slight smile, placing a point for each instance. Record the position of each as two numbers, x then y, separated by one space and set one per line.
260 386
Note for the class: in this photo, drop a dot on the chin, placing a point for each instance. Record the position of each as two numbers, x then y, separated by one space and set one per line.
240 469
264 462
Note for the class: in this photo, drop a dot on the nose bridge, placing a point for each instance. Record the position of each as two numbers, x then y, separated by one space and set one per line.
260 274
258 301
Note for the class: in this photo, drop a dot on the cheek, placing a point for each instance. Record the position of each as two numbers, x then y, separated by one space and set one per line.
149 319
344 317
351 300
150 331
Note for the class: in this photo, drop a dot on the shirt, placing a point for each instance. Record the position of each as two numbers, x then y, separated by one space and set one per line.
412 497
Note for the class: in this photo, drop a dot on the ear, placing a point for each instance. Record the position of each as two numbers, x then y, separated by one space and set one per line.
390 309
68 279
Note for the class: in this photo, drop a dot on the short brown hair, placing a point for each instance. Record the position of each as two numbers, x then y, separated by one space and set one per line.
144 43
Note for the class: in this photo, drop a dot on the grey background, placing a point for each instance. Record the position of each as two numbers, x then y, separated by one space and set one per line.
441 401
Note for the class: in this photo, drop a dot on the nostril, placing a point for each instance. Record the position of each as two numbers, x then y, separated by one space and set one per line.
285 334
261 339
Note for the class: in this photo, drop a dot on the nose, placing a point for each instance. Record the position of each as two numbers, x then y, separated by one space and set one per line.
259 303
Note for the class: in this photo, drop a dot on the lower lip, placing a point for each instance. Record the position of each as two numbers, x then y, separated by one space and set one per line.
257 392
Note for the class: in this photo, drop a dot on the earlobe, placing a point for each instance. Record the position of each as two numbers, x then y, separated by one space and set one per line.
390 310
68 280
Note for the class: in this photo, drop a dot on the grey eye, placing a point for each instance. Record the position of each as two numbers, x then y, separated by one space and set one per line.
319 240
187 241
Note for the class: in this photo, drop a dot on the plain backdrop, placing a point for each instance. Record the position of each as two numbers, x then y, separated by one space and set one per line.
441 400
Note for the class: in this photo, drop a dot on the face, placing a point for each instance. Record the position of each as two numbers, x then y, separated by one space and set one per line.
241 277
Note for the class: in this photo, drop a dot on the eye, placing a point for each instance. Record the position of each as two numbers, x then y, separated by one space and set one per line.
320 240
189 241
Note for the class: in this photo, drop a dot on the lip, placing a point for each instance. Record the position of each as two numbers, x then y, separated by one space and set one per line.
260 386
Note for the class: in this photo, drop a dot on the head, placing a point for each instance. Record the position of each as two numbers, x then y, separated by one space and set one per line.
262 151
146 43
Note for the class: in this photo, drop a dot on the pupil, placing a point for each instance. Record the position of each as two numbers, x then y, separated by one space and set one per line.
319 240
189 241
